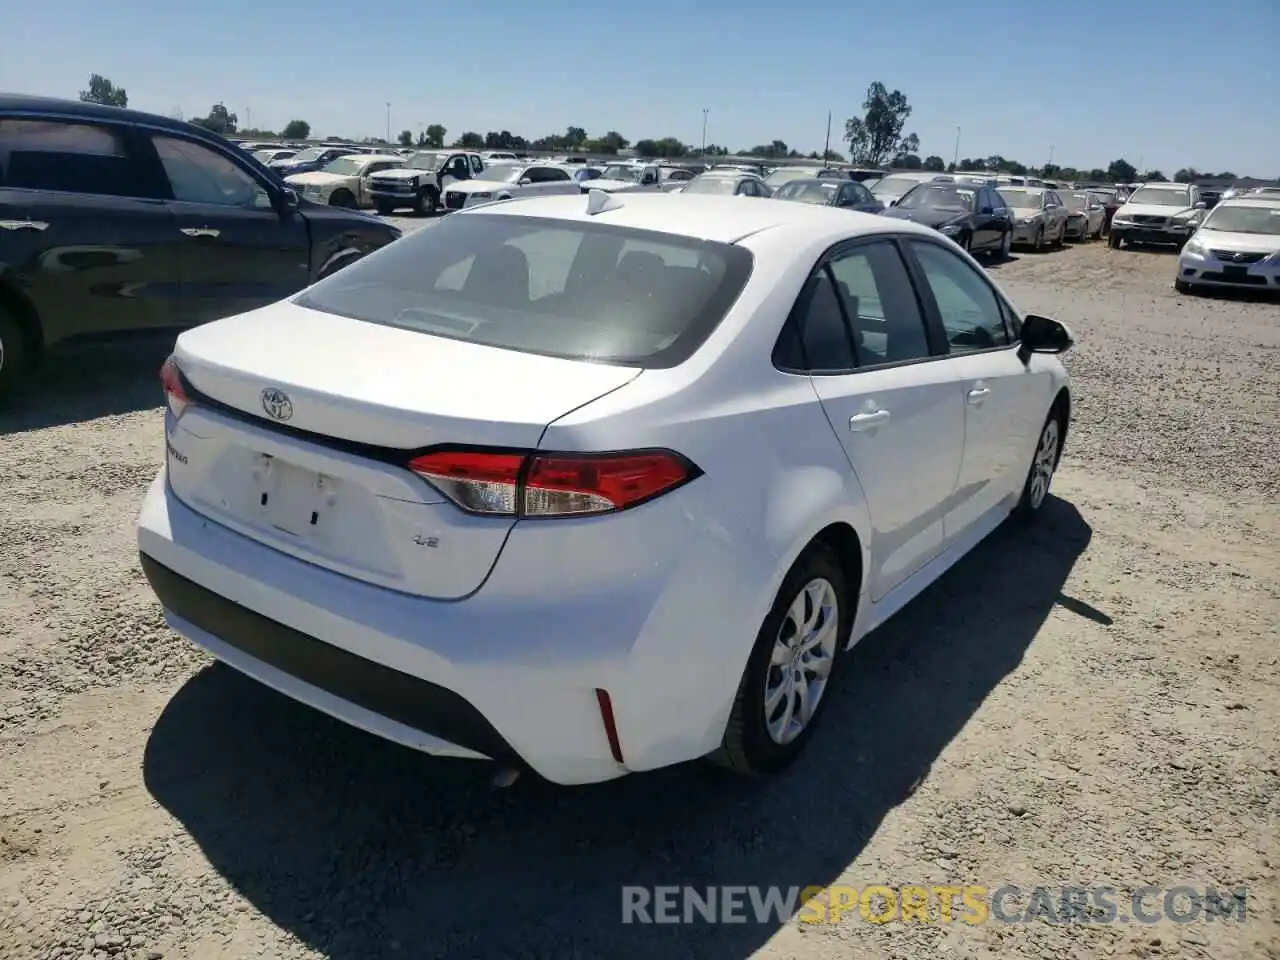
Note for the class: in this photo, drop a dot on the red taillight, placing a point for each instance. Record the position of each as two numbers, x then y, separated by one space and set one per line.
541 485
174 392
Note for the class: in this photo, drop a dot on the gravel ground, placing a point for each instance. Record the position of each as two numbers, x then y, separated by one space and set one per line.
1097 702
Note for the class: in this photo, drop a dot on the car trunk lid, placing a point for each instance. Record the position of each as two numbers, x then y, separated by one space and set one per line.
301 425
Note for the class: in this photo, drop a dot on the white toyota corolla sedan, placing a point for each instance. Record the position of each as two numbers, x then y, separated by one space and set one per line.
595 484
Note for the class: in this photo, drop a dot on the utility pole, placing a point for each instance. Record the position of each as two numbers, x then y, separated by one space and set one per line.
388 140
826 148
1050 163
248 118
705 111
955 156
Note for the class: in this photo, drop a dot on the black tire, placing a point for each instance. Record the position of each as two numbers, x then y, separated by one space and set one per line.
1114 240
1031 503
1038 243
1183 287
1062 237
384 209
344 199
426 202
965 241
748 748
1006 246
13 352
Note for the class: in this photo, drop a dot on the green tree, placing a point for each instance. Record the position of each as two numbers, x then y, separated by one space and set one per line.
406 138
876 136
935 163
907 161
1154 176
434 136
220 120
470 141
575 137
103 91
296 130
1121 171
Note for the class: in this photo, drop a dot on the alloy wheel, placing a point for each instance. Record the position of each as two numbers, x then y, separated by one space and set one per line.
1046 461
800 666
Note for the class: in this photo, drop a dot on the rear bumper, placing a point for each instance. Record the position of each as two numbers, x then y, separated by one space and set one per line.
249 638
510 673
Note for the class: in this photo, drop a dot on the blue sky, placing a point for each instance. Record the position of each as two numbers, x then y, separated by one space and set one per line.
1165 83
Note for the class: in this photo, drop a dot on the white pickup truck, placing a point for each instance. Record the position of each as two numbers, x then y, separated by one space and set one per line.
423 180
630 177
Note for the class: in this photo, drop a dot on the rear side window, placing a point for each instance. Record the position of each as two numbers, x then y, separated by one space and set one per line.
70 157
561 288
815 338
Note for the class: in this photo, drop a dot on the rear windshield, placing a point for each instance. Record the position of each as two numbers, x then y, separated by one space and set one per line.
562 288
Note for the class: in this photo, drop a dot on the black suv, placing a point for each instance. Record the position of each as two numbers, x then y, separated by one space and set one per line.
116 221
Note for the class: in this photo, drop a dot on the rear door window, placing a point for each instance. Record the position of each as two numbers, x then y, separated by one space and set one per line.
880 301
579 290
70 156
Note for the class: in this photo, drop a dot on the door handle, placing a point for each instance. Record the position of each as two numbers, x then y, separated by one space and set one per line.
868 421
200 232
23 225
977 395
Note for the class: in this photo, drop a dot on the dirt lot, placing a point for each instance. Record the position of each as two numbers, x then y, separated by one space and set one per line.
1097 703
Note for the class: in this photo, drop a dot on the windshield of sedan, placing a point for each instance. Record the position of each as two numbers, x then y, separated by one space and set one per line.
779 177
346 166
1259 220
1075 201
1162 196
807 191
305 156
1022 199
564 288
501 173
425 161
622 171
894 187
724 186
946 197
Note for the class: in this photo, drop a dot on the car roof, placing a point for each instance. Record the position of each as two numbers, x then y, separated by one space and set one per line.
699 216
82 110
1251 200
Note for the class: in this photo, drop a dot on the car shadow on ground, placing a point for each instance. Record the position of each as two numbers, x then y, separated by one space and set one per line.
86 381
1235 294
995 261
365 850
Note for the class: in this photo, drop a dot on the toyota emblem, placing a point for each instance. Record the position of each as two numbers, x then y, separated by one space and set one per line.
1238 257
277 404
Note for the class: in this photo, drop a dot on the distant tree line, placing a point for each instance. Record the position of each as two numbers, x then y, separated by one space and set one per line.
874 139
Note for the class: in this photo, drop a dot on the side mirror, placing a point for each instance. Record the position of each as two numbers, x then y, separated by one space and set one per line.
289 200
1045 335
1202 206
525 181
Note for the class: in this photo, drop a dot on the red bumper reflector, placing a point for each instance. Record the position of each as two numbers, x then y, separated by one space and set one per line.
610 725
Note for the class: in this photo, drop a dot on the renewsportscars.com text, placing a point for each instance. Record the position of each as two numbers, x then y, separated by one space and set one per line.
919 903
